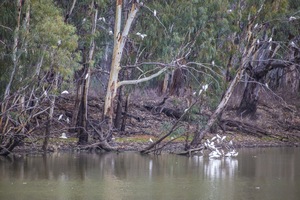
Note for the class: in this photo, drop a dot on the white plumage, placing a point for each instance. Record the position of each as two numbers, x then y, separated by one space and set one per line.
65 92
63 136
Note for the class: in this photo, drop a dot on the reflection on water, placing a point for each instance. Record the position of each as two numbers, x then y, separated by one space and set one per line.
254 174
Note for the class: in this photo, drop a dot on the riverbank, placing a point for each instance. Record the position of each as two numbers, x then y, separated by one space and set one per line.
139 142
147 120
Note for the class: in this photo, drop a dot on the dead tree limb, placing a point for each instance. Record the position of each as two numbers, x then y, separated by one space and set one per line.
153 145
200 135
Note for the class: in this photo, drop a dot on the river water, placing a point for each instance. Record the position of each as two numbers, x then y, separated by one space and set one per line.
266 173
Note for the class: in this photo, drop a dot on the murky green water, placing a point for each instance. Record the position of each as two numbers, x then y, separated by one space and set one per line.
254 174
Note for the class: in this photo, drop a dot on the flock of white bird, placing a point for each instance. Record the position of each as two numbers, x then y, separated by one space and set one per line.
214 145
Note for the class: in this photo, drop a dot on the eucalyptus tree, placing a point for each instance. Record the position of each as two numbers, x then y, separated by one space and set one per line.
41 49
89 17
273 63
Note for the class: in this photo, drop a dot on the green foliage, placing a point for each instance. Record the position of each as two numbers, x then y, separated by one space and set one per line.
58 38
45 35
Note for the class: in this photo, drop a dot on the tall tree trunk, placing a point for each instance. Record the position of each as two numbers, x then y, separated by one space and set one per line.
260 63
83 134
75 112
119 43
83 111
118 118
125 112
50 116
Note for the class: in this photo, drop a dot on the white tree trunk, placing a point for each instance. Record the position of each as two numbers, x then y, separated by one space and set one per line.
119 43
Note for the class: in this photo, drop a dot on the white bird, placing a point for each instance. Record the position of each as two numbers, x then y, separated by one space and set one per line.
204 87
151 140
63 136
270 40
110 32
60 117
213 63
292 18
267 85
194 93
84 19
65 92
214 154
143 35
293 44
232 153
257 41
68 121
154 13
86 76
200 91
235 154
59 42
255 26
211 146
186 110
45 93
101 19
228 154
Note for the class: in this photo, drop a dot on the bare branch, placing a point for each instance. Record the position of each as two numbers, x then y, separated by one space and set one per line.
132 82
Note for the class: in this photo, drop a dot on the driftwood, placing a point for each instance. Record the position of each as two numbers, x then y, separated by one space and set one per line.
190 151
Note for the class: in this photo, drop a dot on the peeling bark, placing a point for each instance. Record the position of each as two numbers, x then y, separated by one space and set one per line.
119 43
